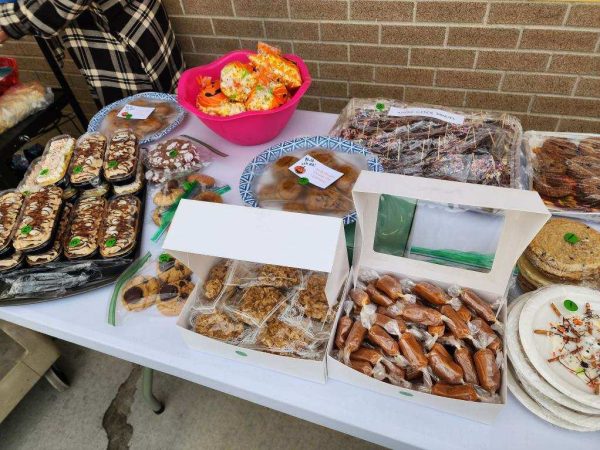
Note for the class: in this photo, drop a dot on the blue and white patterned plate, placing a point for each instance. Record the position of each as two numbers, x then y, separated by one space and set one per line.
257 166
96 122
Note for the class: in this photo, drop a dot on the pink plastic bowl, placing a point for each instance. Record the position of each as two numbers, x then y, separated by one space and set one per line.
247 128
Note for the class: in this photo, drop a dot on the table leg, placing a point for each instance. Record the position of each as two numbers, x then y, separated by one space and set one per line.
157 406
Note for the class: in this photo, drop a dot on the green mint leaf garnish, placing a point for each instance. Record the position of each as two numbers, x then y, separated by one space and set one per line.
74 242
570 305
571 238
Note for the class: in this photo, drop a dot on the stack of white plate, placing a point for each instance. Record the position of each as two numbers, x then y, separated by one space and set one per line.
548 389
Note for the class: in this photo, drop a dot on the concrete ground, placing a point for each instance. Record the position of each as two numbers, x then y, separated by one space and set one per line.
104 409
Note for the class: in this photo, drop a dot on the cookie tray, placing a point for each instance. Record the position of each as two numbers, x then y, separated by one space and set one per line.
202 232
524 216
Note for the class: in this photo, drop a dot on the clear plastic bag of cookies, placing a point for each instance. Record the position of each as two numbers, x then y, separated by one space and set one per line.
155 284
215 290
285 184
174 157
565 169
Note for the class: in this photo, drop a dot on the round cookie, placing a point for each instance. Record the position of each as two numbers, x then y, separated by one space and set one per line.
583 167
205 181
590 146
280 168
576 259
168 194
172 297
346 182
589 190
209 196
172 271
289 189
140 293
560 147
323 156
531 276
555 186
157 215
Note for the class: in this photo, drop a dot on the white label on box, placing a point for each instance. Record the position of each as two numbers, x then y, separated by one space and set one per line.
440 114
315 172
135 112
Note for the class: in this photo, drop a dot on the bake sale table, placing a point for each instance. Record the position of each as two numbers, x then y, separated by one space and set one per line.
155 342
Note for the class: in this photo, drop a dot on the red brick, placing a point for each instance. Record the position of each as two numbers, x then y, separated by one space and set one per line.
575 64
450 11
567 106
443 97
584 16
373 54
483 37
346 72
588 87
208 7
527 13
559 40
367 90
412 35
300 31
328 88
497 101
318 9
468 79
321 52
441 57
238 27
333 105
404 75
348 32
507 60
545 84
260 8
579 125
387 11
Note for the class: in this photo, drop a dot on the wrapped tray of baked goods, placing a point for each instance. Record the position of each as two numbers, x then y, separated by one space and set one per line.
38 221
10 205
174 156
311 175
434 141
86 162
424 330
120 227
81 237
271 298
121 157
565 169
21 101
27 183
55 161
154 284
150 115
55 251
136 186
565 251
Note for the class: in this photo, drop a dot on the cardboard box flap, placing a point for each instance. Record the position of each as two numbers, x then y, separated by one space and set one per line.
524 215
304 241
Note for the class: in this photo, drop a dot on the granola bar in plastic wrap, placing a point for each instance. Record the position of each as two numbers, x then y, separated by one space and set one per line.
565 170
435 141
420 336
158 284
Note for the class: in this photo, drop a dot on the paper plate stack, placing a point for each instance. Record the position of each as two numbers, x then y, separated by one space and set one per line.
553 343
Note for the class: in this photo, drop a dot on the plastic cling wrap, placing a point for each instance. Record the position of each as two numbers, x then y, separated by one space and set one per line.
420 336
174 157
10 205
280 188
55 161
565 169
156 283
435 142
86 163
21 101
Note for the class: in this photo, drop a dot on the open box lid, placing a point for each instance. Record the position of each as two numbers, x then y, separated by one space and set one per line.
202 230
524 215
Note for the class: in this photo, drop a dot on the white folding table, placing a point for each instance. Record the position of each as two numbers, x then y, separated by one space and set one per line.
154 342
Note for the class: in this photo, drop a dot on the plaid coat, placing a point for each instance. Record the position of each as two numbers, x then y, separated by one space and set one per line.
121 47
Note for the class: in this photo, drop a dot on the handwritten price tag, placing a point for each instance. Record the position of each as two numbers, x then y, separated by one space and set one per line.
135 112
317 173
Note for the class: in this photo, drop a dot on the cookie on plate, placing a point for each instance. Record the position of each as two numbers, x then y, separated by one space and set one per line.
566 249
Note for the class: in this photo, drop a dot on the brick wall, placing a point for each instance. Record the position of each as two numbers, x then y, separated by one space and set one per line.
537 60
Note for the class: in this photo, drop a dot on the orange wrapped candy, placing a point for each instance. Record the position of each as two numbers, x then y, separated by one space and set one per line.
269 61
267 95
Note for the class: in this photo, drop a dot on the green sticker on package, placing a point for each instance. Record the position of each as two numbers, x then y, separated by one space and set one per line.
379 106
44 172
26 229
77 169
173 153
112 164
110 242
164 257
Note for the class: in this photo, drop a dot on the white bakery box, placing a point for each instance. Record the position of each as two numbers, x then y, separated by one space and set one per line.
203 232
524 215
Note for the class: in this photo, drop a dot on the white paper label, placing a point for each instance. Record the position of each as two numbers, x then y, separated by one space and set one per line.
315 172
135 112
440 114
